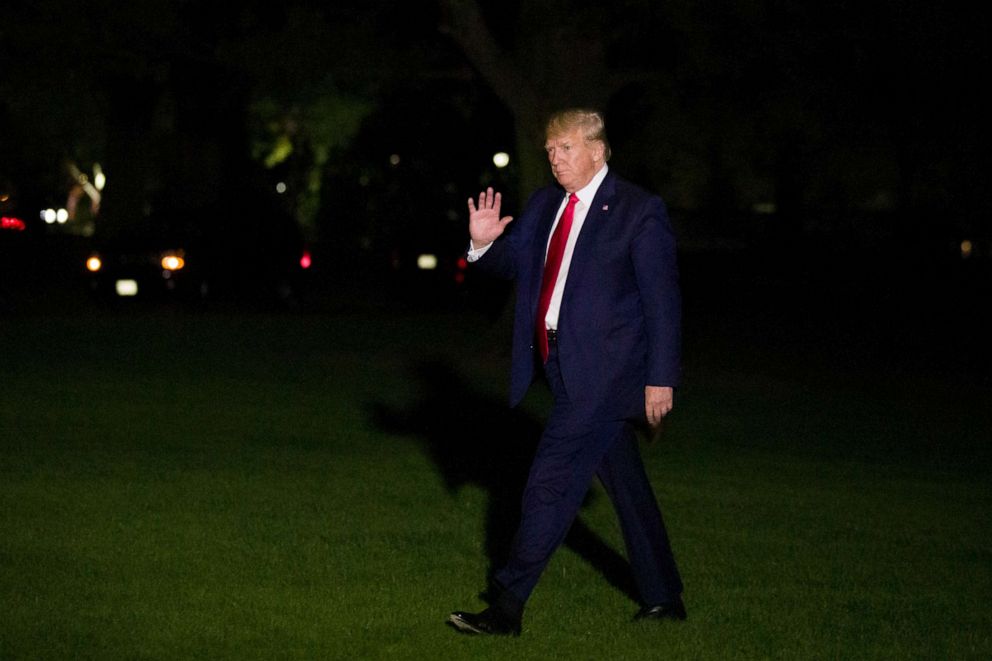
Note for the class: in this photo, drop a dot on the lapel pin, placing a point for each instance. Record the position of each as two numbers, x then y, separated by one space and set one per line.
606 207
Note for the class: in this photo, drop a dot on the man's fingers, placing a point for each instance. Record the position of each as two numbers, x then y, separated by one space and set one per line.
487 200
493 201
655 416
656 412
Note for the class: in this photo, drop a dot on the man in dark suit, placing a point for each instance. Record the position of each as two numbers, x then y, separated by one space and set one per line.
598 310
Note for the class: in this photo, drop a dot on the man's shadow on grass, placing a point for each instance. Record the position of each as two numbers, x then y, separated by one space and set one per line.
474 438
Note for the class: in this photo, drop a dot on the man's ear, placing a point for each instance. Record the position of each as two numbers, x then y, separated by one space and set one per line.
599 151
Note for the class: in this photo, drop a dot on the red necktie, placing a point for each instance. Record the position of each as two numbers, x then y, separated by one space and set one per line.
556 250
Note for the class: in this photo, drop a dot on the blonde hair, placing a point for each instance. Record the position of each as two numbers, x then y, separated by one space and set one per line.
590 122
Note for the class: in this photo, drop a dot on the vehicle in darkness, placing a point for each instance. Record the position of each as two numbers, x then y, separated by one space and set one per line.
147 267
159 259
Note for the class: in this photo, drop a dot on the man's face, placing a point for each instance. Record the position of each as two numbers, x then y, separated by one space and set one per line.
573 161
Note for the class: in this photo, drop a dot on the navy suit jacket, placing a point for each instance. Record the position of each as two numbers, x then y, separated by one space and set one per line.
620 320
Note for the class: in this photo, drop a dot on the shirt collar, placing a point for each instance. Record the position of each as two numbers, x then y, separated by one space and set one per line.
587 194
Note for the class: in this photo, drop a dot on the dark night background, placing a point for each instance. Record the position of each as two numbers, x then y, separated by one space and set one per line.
825 164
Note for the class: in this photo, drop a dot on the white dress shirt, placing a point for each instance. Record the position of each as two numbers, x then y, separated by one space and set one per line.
585 196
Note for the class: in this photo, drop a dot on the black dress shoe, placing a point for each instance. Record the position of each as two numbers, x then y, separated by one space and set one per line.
489 622
671 611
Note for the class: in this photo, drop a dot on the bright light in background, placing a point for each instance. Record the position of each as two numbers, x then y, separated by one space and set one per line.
127 287
91 189
93 264
281 187
61 216
99 179
172 262
394 159
966 249
501 159
49 216
427 262
305 261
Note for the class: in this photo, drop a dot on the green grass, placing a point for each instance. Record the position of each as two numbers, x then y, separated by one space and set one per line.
214 486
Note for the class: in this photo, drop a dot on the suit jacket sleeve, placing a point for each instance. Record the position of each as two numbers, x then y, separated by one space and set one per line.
656 271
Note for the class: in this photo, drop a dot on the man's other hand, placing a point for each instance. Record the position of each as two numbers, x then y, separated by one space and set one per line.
658 401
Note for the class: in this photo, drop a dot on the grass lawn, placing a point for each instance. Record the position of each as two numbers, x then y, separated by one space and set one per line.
298 486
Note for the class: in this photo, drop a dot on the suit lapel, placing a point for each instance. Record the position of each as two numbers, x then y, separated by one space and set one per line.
545 222
598 214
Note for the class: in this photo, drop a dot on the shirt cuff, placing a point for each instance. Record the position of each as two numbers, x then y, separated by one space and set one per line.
475 253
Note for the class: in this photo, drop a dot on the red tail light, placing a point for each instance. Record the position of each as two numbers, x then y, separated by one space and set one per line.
15 224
